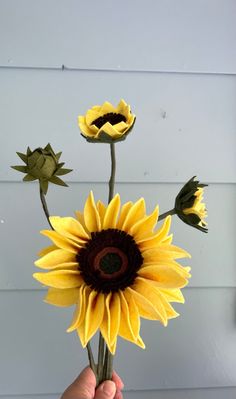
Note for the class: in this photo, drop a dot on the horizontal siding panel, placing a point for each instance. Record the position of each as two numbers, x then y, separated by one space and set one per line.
219 393
196 350
185 123
213 254
145 35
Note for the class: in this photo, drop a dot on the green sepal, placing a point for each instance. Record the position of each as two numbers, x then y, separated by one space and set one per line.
29 178
22 156
20 168
62 172
58 155
57 180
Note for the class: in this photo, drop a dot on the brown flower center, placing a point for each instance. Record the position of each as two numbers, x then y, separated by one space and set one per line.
111 117
110 260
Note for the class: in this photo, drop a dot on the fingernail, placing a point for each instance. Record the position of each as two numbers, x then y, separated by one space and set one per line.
109 388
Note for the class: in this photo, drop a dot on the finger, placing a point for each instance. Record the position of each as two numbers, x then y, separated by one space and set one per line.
117 380
118 395
106 390
83 387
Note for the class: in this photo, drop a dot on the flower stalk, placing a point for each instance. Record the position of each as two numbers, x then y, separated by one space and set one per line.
44 205
165 214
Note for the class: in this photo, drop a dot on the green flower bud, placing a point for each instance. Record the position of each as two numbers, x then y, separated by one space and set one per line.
43 165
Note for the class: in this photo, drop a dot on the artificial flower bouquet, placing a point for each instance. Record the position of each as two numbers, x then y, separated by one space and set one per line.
113 261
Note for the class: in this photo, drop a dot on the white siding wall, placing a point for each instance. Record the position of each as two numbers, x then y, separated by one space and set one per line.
175 62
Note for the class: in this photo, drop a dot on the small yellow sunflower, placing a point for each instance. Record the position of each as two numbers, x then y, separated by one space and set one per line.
115 267
189 206
106 123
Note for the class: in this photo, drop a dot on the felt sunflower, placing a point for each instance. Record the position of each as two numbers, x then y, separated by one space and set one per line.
106 123
189 206
113 264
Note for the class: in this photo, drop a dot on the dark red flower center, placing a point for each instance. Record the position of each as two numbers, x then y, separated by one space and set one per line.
111 117
110 260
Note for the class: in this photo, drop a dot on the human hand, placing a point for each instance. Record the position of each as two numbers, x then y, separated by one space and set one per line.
84 387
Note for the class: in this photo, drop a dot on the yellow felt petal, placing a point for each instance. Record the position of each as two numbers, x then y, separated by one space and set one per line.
170 312
80 310
134 314
94 313
106 108
164 276
110 130
123 214
126 330
173 295
91 116
66 297
111 214
156 239
121 126
69 227
60 278
113 312
101 210
164 252
81 334
123 108
80 217
61 242
47 250
136 212
151 293
144 227
84 128
54 258
91 215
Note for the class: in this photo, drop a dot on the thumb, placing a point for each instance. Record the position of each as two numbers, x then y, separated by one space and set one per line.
106 390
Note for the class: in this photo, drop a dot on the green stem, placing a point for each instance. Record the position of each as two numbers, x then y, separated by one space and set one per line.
91 360
101 348
44 205
113 172
164 215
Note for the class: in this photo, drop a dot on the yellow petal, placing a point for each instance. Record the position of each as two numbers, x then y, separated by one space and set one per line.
170 312
60 278
106 108
156 239
110 130
111 214
69 227
101 210
126 330
164 276
61 242
55 258
113 312
94 314
91 215
91 116
136 212
173 295
80 217
148 302
144 227
123 214
80 310
47 250
66 297
164 252
85 130
133 312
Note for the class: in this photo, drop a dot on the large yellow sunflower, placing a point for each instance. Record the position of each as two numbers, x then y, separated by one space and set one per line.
106 123
115 267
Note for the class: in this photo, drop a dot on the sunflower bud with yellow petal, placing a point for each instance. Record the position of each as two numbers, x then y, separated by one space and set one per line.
189 206
42 164
106 123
